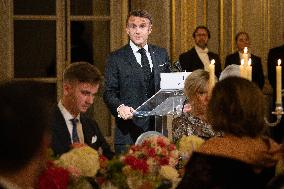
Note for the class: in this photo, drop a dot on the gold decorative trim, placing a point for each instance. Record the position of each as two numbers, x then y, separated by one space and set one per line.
60 45
68 33
205 12
173 29
183 23
11 43
222 29
241 15
34 17
43 79
195 13
268 23
233 27
83 18
125 11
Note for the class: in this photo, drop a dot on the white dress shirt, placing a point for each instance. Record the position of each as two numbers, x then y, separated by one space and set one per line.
203 55
67 116
138 55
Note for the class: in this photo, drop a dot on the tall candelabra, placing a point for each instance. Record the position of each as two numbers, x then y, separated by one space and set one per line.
278 112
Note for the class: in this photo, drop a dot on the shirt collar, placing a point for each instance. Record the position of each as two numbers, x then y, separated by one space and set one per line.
66 114
241 54
135 48
200 50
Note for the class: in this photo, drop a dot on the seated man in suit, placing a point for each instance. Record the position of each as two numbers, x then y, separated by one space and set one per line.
242 41
80 83
24 136
199 56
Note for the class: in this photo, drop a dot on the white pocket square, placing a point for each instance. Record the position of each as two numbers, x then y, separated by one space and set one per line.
94 139
163 64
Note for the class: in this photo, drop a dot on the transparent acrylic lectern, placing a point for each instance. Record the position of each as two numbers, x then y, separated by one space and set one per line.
169 100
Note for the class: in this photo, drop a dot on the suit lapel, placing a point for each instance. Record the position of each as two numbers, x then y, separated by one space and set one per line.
237 58
87 132
62 129
198 60
155 62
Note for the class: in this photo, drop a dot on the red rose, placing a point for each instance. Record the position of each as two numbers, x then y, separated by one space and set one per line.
161 142
151 152
54 178
164 161
136 164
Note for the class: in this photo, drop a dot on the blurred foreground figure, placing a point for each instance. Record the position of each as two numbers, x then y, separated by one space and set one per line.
242 157
24 136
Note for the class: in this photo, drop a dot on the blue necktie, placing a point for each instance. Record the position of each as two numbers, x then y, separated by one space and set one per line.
75 136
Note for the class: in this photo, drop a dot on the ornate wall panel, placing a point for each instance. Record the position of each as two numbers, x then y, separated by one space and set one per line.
5 40
262 19
213 23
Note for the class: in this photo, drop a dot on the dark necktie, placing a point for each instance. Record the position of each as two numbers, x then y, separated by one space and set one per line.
148 75
144 61
75 136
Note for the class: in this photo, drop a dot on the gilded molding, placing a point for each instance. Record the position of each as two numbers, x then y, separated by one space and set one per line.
10 67
222 29
195 13
173 30
233 26
124 7
61 52
205 12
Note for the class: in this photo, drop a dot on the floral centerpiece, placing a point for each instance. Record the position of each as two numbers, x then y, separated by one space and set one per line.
186 145
148 164
75 169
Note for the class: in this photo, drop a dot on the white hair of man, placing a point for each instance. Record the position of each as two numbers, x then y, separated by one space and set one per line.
229 71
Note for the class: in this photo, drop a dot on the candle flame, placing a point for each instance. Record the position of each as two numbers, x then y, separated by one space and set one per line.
245 50
242 62
279 62
212 61
249 62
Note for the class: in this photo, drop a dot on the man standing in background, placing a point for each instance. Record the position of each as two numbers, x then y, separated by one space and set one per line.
199 56
242 41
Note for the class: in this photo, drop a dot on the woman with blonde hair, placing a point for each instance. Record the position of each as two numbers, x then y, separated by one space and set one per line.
194 122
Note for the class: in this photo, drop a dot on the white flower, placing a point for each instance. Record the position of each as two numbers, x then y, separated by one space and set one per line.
169 173
85 160
187 144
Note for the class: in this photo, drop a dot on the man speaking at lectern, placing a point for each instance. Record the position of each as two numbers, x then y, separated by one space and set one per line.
132 76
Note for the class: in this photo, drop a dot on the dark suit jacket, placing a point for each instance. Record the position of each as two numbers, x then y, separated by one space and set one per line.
124 84
61 140
190 61
257 72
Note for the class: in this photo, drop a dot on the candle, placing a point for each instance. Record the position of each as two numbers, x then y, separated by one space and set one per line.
278 83
245 56
242 69
249 70
212 74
